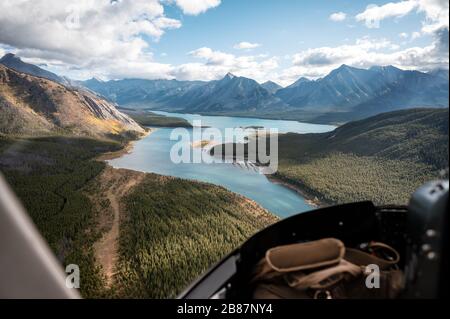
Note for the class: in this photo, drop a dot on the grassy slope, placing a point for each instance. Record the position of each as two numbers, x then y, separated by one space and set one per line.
383 158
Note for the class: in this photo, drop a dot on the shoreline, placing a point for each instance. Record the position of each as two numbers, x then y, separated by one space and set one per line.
309 198
126 149
250 116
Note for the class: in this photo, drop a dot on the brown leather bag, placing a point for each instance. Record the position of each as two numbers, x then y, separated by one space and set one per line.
326 269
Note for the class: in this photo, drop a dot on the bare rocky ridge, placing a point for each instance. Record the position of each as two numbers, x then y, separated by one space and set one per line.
31 105
15 63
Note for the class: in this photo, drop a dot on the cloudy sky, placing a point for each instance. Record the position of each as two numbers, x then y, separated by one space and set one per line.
278 40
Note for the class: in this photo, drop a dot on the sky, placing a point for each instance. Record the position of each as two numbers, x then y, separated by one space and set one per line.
277 40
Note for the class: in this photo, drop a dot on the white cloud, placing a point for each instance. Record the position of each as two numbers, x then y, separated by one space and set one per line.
437 15
415 35
91 30
137 69
218 63
197 71
411 37
436 12
334 56
195 7
246 45
104 38
338 16
436 24
110 40
374 14
365 52
213 57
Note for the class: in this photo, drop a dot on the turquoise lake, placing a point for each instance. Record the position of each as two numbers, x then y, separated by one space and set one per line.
152 154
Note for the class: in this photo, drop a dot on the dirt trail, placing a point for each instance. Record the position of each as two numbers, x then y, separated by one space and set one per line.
114 184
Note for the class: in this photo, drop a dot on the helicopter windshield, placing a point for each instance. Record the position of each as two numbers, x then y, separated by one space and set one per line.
142 162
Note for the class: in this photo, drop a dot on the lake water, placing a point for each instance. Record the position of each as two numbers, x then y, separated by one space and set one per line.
152 154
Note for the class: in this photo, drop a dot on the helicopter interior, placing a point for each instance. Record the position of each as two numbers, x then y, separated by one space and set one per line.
417 232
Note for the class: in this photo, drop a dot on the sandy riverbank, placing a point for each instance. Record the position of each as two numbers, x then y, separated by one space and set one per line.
309 198
204 144
125 150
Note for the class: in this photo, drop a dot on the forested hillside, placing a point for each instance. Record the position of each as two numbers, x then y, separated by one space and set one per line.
166 244
49 176
382 158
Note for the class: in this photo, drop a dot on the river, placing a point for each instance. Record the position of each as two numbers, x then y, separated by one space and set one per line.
152 154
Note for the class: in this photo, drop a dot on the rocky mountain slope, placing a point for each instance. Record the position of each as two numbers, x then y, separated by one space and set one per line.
14 62
33 106
140 92
378 89
272 87
231 94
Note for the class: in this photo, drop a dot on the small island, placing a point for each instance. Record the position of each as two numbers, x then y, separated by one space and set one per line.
202 144
253 127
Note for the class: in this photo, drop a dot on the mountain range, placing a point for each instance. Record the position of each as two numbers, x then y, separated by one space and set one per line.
14 62
347 87
347 93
